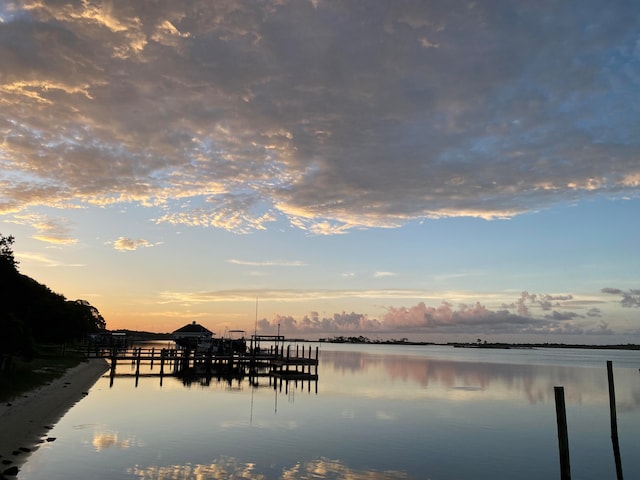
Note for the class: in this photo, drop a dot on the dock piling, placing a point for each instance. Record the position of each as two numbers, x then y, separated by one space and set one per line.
563 437
614 421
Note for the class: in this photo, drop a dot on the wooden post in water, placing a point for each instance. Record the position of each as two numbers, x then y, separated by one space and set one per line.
138 355
185 360
114 356
563 438
162 354
614 421
112 374
207 366
153 351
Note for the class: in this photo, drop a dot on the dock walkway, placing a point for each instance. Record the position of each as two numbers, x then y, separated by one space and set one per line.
290 362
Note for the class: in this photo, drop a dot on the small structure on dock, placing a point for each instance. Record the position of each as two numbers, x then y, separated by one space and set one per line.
192 335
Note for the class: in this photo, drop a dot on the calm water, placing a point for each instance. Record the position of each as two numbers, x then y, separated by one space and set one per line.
377 412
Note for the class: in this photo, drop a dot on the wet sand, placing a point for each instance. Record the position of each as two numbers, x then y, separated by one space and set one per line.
25 421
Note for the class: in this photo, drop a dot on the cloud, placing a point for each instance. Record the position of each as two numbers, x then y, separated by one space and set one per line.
331 116
447 317
384 274
49 230
543 301
424 319
129 244
630 298
612 291
560 316
285 295
268 263
601 329
47 261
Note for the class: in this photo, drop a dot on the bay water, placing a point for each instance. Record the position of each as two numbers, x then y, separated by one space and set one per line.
376 412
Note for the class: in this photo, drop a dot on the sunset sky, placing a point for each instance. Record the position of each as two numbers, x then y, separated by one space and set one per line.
437 170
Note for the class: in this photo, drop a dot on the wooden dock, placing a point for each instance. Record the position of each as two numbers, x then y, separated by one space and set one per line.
277 362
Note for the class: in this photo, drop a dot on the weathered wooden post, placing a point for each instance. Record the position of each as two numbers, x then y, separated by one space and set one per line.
153 352
138 355
614 420
114 356
112 374
208 362
563 438
185 360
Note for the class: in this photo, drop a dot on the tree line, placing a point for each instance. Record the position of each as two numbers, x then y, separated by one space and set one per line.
31 313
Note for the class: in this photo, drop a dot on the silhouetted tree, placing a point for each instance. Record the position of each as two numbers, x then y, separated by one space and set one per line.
14 339
90 316
7 260
31 312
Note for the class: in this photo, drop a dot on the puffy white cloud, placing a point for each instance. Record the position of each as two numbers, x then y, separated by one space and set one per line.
129 244
420 318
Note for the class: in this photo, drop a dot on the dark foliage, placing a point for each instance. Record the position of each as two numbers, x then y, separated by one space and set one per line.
31 313
7 260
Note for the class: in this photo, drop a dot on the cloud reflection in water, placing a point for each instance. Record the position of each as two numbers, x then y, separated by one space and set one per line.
227 468
104 440
412 376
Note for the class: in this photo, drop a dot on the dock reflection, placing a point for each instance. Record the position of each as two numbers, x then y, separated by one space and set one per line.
281 368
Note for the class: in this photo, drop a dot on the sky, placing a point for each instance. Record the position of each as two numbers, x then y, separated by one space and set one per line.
436 170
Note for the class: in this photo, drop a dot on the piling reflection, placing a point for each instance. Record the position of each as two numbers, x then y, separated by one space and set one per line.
226 468
409 375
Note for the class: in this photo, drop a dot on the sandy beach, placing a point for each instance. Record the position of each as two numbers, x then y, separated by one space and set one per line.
25 421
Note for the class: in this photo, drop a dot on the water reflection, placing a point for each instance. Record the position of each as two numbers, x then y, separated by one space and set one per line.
398 375
228 468
378 415
104 440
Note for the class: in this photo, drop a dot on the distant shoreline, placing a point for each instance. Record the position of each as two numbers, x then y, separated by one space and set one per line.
149 336
494 345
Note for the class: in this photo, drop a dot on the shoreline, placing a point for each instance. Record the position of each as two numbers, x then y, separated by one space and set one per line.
26 420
